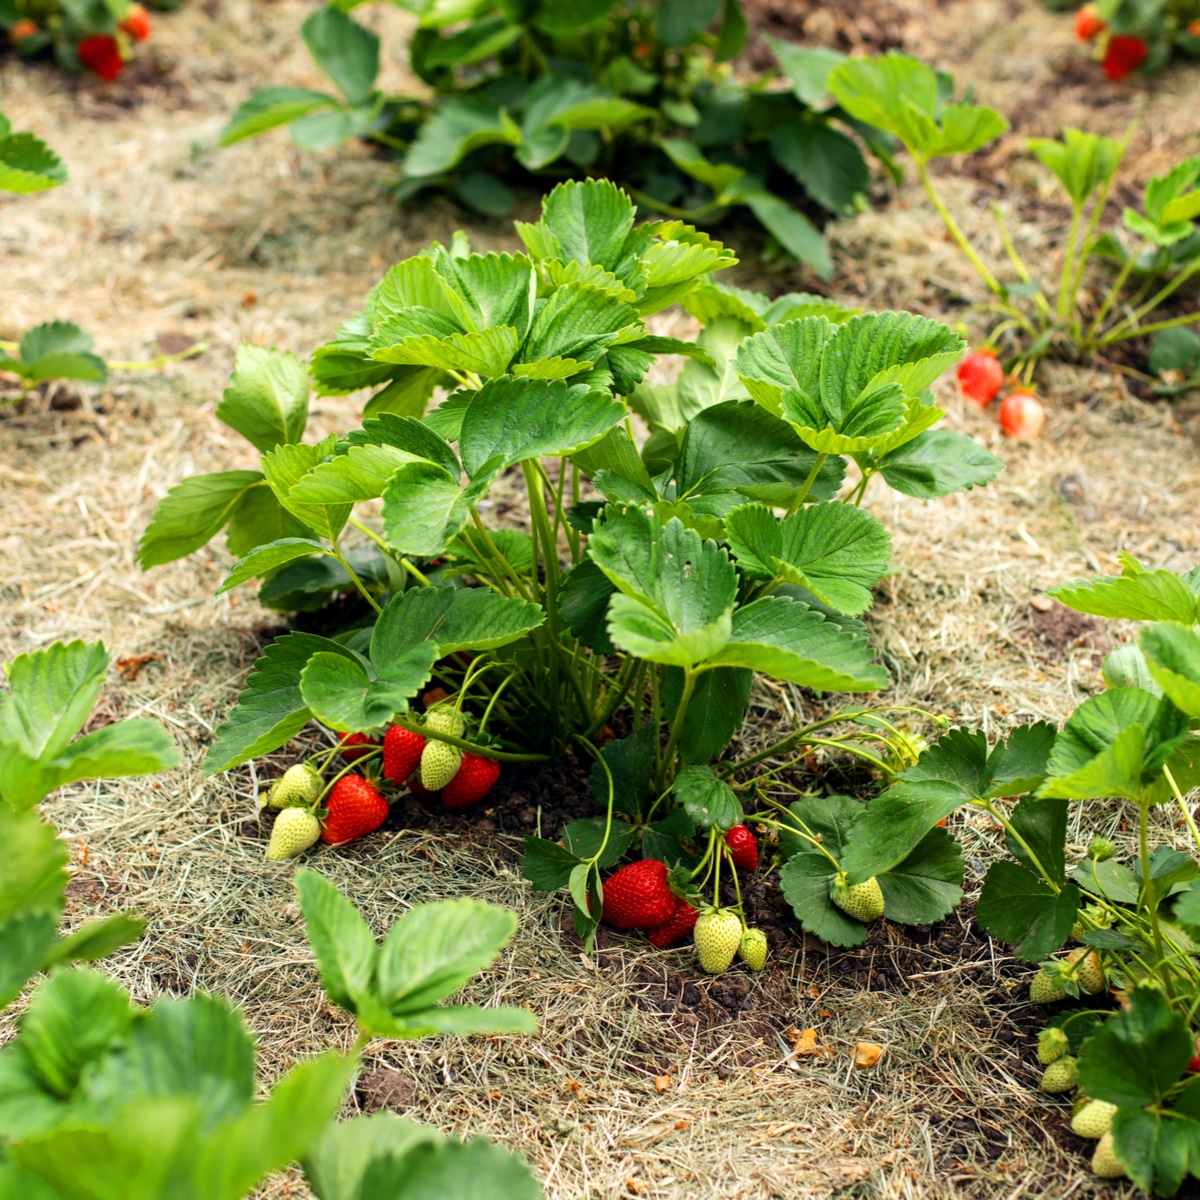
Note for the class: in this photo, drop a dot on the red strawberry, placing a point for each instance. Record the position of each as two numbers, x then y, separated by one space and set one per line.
1022 416
355 809
980 376
637 896
1088 23
356 745
401 753
22 30
474 780
136 23
419 790
743 848
102 56
1124 55
682 922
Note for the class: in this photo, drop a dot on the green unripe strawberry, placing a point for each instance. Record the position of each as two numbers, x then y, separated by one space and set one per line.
1094 1119
445 720
1052 1045
1088 971
297 787
439 764
862 901
752 949
1101 849
295 830
1045 989
1060 1075
1105 1162
717 937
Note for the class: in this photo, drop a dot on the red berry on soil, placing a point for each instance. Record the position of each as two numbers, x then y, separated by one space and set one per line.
401 753
1022 416
22 30
356 745
980 376
136 23
1124 55
638 897
102 56
743 848
1088 23
355 809
682 922
475 777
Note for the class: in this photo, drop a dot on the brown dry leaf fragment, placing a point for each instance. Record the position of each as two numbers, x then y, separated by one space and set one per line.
867 1054
662 1083
132 665
806 1044
814 992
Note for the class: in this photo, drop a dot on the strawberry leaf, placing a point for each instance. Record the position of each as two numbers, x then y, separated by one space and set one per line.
267 397
547 865
1139 596
345 948
1016 906
927 883
630 761
341 693
938 462
346 51
192 513
265 560
715 714
708 801
1155 1148
270 108
1172 655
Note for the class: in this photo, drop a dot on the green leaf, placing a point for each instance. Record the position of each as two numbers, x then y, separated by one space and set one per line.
285 466
787 639
24 943
577 323
807 69
510 420
346 51
345 948
927 884
1016 906
585 837
888 830
828 164
191 514
709 801
457 127
790 228
836 551
479 40
267 397
435 949
1138 1053
1156 1148
547 865
1109 879
487 352
679 21
715 714
1143 596
937 463
1172 653
340 693
270 710
32 866
1082 161
630 760
424 507
96 939
261 562
27 164
452 619
270 108
587 221
336 1164
1042 828
691 161
258 518
361 473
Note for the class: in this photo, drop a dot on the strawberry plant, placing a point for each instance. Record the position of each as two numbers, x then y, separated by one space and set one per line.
1155 256
1137 922
652 579
639 92
27 164
97 36
1139 35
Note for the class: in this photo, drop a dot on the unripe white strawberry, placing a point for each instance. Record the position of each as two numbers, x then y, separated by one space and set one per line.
752 949
445 720
717 936
1105 1162
1052 1045
439 764
1060 1075
1094 1119
1088 971
1045 989
862 901
295 830
298 787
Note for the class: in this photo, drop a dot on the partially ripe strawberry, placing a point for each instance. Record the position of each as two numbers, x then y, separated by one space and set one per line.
1088 23
980 376
472 782
401 753
1022 416
1124 55
638 897
356 745
743 848
136 23
355 809
680 925
102 56
21 30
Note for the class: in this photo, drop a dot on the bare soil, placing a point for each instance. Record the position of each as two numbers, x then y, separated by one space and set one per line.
648 1078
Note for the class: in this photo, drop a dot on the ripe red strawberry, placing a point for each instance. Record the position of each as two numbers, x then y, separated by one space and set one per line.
22 30
356 745
355 809
1022 416
102 56
473 781
419 790
743 848
637 896
401 753
1124 55
1088 23
136 23
682 922
980 376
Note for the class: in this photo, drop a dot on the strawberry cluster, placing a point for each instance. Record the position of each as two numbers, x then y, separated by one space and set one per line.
1120 53
102 53
981 378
